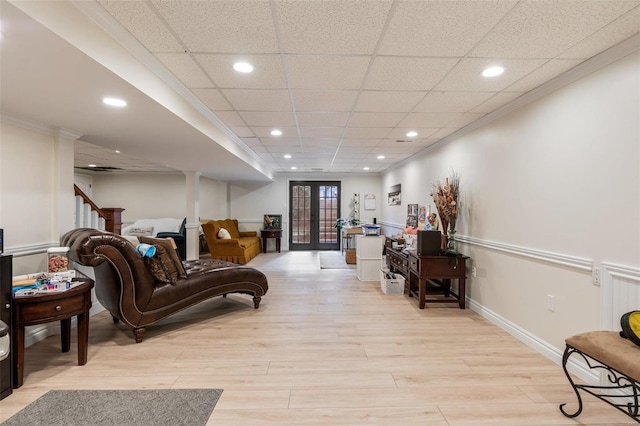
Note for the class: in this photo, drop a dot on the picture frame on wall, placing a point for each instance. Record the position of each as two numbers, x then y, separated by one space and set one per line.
272 221
395 195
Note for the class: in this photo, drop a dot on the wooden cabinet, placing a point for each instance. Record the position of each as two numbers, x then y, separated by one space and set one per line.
6 385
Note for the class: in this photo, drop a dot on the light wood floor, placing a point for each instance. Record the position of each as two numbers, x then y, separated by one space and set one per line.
324 348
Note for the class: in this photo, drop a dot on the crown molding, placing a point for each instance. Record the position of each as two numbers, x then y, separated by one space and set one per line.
37 127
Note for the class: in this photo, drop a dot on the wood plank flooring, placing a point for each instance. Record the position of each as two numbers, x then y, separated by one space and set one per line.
324 348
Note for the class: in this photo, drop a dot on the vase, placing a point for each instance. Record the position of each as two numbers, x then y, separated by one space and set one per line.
451 241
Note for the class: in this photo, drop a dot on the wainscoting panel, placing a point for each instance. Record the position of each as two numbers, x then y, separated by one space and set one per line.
620 293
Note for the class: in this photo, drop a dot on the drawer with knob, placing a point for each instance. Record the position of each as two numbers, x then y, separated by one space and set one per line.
35 310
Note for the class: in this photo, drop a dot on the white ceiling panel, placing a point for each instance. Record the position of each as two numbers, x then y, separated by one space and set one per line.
316 142
324 101
465 119
365 132
546 72
617 31
266 118
326 72
395 73
267 74
230 118
185 69
213 99
142 22
321 132
331 27
375 119
428 120
440 28
498 100
467 74
451 101
243 132
546 28
223 26
258 100
322 119
359 142
374 101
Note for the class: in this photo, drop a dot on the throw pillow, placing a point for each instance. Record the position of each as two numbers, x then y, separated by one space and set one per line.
170 258
223 234
141 232
161 266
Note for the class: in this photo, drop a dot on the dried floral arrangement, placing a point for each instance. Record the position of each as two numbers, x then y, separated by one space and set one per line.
446 196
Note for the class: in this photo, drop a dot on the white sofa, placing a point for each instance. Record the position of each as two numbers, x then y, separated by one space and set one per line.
162 228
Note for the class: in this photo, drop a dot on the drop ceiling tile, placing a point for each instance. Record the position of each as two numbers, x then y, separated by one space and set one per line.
290 143
375 119
266 119
427 120
267 74
364 132
258 100
396 73
440 28
324 100
247 26
331 27
617 31
213 99
141 21
326 72
442 133
402 133
375 101
253 142
360 142
467 75
546 72
544 29
321 132
283 149
467 118
230 118
322 119
242 132
497 101
451 101
185 69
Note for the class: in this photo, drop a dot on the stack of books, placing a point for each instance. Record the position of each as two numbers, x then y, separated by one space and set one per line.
43 282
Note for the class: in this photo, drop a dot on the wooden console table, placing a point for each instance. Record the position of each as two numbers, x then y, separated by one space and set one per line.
423 272
270 233
43 308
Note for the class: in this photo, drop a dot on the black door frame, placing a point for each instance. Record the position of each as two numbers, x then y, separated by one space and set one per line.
314 243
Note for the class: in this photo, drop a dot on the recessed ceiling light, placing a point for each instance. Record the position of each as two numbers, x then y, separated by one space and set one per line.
493 71
114 102
380 157
287 156
117 151
92 165
294 168
412 134
365 168
243 67
276 132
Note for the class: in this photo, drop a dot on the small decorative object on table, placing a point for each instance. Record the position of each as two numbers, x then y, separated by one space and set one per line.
272 221
446 198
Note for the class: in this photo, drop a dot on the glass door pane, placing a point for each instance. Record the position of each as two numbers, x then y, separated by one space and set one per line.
315 207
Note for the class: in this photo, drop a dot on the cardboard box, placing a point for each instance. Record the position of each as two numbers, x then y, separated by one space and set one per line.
394 285
350 256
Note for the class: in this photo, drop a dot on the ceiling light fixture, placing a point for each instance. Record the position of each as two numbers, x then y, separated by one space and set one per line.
243 67
114 102
287 156
380 157
493 71
294 168
276 132
117 151
92 165
365 168
412 134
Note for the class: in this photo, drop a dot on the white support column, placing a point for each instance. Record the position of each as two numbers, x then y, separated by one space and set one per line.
193 214
64 208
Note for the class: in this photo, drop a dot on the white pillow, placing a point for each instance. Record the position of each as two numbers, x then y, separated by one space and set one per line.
141 232
223 234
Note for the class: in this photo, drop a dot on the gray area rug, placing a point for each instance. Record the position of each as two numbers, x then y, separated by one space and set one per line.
334 260
119 407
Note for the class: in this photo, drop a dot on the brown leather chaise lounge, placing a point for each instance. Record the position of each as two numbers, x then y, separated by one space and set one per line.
128 290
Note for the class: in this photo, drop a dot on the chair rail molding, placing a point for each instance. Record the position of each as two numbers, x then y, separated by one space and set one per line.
30 249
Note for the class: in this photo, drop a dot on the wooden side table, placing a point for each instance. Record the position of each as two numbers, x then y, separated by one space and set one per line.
270 233
43 308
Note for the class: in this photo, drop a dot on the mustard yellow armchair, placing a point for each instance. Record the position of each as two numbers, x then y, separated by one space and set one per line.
240 248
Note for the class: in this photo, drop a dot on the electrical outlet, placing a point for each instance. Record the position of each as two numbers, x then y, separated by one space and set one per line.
595 276
474 271
551 302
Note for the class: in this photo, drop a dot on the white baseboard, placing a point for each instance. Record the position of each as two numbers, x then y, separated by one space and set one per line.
575 367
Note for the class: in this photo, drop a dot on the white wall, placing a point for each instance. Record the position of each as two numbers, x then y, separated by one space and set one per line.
558 178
